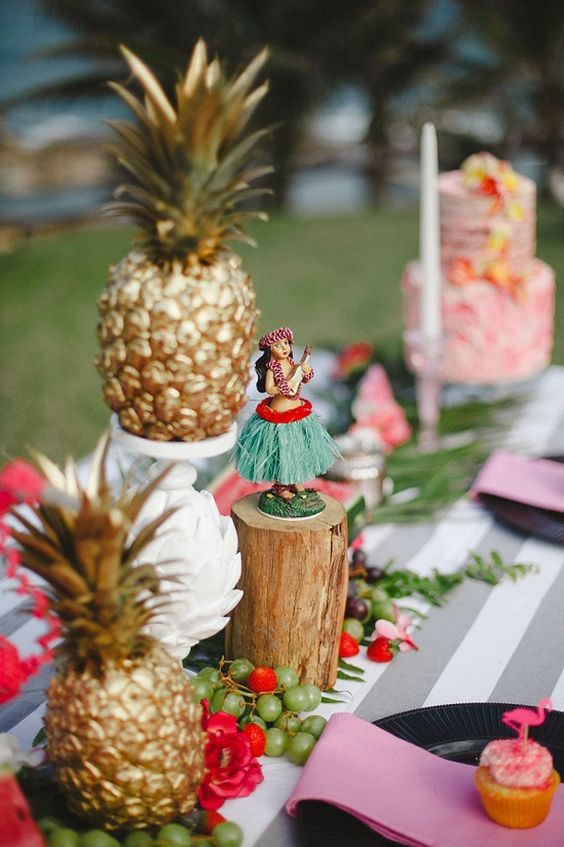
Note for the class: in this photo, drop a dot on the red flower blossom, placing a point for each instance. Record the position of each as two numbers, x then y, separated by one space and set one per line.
7 500
19 483
12 670
489 185
352 358
231 769
205 704
462 272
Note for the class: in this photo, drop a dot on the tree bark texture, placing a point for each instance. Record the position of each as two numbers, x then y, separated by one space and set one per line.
294 578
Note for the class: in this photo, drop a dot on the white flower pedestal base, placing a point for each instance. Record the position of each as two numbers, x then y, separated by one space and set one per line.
195 551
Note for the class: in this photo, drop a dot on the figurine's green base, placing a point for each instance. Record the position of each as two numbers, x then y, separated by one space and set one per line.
304 504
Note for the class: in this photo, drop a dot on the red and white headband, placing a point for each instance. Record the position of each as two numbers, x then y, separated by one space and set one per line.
276 335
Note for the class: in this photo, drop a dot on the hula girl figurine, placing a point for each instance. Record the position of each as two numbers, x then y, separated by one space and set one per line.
283 442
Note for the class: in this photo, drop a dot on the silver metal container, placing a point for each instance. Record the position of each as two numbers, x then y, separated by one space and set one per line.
362 463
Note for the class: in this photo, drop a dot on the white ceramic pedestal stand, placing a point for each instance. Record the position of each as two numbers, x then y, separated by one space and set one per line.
195 550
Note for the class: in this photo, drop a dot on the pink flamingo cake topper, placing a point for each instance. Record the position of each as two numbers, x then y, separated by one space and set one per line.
521 719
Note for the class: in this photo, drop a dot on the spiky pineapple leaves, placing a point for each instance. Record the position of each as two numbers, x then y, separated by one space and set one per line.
100 590
191 163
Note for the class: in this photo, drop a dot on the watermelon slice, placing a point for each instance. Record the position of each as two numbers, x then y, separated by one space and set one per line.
17 828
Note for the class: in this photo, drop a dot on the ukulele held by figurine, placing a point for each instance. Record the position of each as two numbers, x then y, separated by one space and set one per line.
295 381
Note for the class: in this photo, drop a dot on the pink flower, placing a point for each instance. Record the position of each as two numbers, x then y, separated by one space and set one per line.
374 391
231 768
390 427
375 409
396 430
398 631
19 483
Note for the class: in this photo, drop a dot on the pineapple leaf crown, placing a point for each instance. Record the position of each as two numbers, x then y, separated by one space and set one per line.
191 162
99 590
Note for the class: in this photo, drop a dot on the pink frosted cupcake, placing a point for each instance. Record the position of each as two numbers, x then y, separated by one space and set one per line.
516 780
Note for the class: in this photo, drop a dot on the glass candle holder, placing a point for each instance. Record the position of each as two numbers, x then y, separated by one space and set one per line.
424 357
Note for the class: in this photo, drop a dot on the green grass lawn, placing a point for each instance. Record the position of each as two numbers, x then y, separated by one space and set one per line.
333 279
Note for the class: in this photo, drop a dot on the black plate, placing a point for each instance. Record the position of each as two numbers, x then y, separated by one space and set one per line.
532 520
458 732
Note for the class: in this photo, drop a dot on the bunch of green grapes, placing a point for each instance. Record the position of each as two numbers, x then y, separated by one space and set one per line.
222 833
267 703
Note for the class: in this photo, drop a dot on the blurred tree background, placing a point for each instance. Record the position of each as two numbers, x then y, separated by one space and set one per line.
444 59
316 48
350 87
520 75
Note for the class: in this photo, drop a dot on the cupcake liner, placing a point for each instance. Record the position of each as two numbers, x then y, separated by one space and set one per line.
517 808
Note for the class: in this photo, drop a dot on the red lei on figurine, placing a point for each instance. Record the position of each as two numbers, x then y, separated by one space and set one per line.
264 411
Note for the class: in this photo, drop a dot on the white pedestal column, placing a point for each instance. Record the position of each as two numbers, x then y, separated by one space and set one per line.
195 551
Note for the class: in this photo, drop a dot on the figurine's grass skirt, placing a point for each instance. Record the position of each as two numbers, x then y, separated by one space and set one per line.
288 453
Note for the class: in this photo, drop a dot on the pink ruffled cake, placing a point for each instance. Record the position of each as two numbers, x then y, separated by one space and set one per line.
516 781
497 298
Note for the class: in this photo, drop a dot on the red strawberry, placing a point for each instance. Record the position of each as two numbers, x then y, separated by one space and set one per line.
257 738
380 650
262 680
348 646
209 820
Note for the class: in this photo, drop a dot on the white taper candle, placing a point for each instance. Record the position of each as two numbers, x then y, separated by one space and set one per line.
429 236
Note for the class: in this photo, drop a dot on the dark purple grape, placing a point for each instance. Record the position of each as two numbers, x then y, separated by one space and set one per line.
356 608
374 574
351 590
359 557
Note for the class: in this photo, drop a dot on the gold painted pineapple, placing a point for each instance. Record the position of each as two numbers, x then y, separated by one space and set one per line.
123 731
178 313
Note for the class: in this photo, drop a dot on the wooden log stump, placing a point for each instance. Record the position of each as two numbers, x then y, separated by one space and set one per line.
294 579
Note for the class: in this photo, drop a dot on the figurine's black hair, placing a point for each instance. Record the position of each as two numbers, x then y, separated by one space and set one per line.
260 368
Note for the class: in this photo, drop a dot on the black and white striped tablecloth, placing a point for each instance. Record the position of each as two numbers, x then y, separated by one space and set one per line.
501 644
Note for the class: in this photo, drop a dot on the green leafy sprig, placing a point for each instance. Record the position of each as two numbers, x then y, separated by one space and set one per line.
399 583
494 570
350 672
440 479
405 583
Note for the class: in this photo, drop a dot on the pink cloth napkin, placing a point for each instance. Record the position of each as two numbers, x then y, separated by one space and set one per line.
407 794
536 482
